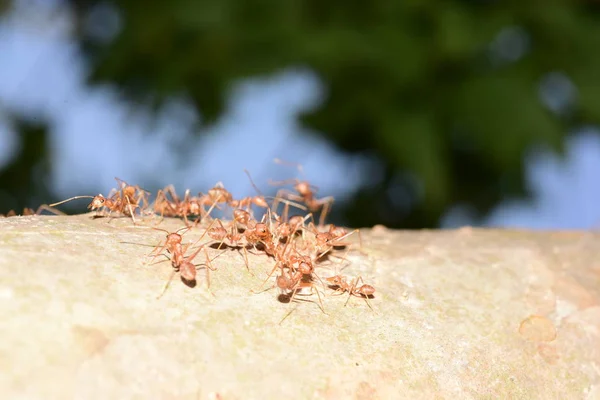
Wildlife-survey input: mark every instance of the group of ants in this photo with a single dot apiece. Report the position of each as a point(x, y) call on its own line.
point(296, 245)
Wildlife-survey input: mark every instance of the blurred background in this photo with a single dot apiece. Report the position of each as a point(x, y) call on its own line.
point(412, 114)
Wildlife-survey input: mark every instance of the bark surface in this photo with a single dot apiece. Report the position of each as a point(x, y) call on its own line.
point(459, 314)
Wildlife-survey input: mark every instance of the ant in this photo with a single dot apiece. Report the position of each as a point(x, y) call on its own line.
point(124, 201)
point(243, 207)
point(164, 206)
point(341, 284)
point(217, 194)
point(306, 194)
point(293, 282)
point(187, 269)
point(190, 205)
point(172, 243)
point(132, 196)
point(179, 262)
point(221, 234)
point(247, 202)
point(287, 230)
point(326, 241)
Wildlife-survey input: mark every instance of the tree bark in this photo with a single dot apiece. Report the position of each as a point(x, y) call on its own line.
point(466, 313)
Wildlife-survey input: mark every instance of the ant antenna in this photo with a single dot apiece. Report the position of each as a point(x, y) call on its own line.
point(72, 198)
point(166, 231)
point(289, 164)
point(252, 182)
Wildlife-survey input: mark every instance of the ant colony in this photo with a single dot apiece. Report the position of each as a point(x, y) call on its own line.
point(297, 246)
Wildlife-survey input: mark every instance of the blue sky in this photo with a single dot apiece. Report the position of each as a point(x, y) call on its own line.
point(96, 137)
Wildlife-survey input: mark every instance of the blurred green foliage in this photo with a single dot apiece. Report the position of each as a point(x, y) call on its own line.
point(446, 91)
point(23, 179)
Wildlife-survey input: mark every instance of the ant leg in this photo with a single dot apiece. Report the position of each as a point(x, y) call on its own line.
point(326, 202)
point(268, 277)
point(351, 290)
point(341, 258)
point(156, 254)
point(293, 309)
point(164, 255)
point(171, 190)
point(45, 207)
point(313, 274)
point(167, 285)
point(337, 242)
point(162, 218)
point(296, 289)
point(131, 210)
point(360, 243)
point(338, 292)
point(287, 314)
point(275, 204)
point(209, 267)
point(290, 181)
point(286, 211)
point(197, 221)
point(213, 205)
point(319, 296)
point(279, 197)
point(112, 192)
point(109, 215)
point(185, 220)
point(246, 261)
point(365, 297)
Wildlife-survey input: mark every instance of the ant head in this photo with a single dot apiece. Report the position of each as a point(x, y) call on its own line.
point(337, 231)
point(334, 280)
point(241, 216)
point(97, 202)
point(261, 229)
point(322, 237)
point(174, 238)
point(260, 201)
point(194, 207)
point(219, 195)
point(305, 268)
point(296, 220)
point(303, 188)
point(284, 229)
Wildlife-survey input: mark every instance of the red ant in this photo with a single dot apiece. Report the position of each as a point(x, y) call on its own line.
point(326, 241)
point(286, 230)
point(247, 202)
point(221, 234)
point(172, 243)
point(217, 194)
point(243, 207)
point(306, 194)
point(131, 197)
point(180, 263)
point(293, 282)
point(181, 208)
point(124, 201)
point(342, 285)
